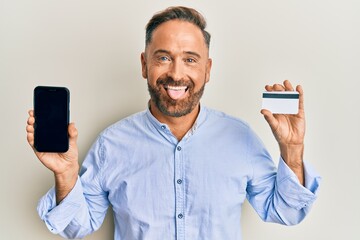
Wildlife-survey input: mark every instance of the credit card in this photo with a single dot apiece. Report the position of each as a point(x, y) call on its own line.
point(281, 102)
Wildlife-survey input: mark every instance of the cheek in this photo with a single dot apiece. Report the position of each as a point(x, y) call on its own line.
point(199, 77)
point(152, 76)
point(154, 72)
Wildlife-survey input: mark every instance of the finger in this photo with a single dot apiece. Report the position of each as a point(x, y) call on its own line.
point(278, 87)
point(299, 89)
point(31, 121)
point(268, 88)
point(288, 86)
point(31, 113)
point(30, 139)
point(275, 87)
point(30, 129)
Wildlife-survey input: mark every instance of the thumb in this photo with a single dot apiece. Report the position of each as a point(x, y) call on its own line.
point(73, 134)
point(269, 117)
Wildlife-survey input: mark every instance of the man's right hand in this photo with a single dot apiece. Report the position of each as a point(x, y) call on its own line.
point(65, 166)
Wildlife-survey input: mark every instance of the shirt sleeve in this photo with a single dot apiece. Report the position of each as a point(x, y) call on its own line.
point(83, 210)
point(298, 196)
point(276, 193)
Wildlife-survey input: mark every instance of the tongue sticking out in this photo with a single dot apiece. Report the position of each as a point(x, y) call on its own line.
point(176, 93)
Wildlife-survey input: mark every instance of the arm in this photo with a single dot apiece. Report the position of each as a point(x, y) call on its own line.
point(65, 166)
point(284, 195)
point(289, 131)
point(275, 193)
point(76, 206)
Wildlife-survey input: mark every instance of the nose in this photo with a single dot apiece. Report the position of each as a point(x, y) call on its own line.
point(176, 70)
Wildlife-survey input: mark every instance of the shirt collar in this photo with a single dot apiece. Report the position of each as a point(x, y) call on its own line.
point(162, 127)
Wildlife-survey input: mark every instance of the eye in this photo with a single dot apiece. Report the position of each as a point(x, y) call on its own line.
point(164, 58)
point(190, 60)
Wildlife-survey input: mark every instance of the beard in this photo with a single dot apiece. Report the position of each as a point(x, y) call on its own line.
point(171, 107)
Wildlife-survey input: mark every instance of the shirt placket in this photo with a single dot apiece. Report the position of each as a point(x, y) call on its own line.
point(179, 193)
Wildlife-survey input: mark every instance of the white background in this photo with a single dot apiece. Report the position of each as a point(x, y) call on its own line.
point(93, 47)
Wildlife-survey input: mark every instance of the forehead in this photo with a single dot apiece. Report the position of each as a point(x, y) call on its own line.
point(177, 34)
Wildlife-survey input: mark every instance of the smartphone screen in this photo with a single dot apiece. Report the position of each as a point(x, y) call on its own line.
point(51, 111)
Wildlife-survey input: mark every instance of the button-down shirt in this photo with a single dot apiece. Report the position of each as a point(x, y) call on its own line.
point(162, 188)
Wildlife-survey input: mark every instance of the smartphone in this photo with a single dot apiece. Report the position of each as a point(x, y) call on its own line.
point(51, 112)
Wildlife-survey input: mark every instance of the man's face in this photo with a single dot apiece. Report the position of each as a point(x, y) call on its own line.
point(176, 64)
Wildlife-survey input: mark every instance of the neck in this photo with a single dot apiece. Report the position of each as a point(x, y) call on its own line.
point(179, 126)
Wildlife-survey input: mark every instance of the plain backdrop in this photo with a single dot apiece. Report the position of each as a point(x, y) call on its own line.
point(93, 47)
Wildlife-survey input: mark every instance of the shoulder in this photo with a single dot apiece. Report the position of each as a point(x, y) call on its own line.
point(126, 126)
point(221, 118)
point(228, 129)
point(237, 129)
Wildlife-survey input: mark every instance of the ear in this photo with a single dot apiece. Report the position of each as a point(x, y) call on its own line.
point(143, 65)
point(208, 69)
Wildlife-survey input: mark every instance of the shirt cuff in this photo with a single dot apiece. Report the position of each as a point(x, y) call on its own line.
point(58, 217)
point(297, 195)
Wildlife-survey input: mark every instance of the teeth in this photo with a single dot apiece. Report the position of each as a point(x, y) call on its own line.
point(176, 88)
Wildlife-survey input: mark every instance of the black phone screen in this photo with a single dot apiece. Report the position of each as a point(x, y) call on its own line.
point(51, 112)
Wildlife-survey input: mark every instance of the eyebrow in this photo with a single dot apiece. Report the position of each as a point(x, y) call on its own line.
point(186, 52)
point(161, 51)
point(193, 53)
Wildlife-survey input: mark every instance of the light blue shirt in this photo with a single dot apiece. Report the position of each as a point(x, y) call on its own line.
point(162, 188)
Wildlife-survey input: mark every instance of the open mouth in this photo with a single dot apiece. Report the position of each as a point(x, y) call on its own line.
point(176, 92)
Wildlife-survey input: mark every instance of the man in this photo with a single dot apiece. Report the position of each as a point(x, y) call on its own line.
point(179, 170)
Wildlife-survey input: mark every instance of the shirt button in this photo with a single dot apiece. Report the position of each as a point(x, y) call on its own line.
point(163, 127)
point(178, 148)
point(180, 216)
point(179, 181)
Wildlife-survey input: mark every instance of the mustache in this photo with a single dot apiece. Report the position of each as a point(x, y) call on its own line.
point(172, 82)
